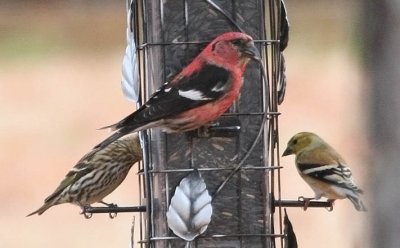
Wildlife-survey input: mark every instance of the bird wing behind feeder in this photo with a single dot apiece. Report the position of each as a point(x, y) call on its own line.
point(284, 40)
point(284, 28)
point(290, 236)
point(130, 74)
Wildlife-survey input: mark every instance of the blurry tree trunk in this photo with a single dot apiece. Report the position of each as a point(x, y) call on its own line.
point(382, 39)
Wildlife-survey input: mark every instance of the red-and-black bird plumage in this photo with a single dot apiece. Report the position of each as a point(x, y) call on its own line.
point(200, 93)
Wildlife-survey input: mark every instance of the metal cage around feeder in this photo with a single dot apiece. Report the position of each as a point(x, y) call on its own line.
point(168, 35)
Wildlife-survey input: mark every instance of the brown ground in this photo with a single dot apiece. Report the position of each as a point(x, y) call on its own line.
point(59, 81)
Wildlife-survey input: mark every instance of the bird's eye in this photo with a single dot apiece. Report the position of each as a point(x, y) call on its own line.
point(294, 142)
point(237, 42)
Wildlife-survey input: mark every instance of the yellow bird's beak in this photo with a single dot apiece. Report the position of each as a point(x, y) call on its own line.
point(288, 151)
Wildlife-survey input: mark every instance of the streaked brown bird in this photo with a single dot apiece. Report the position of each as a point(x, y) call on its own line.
point(96, 175)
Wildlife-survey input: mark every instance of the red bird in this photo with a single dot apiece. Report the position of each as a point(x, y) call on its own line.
point(200, 93)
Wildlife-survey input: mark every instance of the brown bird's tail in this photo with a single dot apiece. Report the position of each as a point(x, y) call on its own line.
point(358, 204)
point(41, 210)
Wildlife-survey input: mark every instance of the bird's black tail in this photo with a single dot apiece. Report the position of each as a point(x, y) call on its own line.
point(118, 134)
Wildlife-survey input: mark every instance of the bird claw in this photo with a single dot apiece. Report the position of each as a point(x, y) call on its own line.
point(86, 214)
point(306, 201)
point(89, 215)
point(203, 132)
point(112, 215)
point(330, 208)
point(110, 205)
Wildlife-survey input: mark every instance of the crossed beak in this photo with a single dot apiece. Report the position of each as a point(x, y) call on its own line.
point(250, 49)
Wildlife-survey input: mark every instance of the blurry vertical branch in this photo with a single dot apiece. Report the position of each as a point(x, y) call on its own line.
point(381, 24)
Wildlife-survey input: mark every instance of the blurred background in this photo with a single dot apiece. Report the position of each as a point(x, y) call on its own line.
point(60, 71)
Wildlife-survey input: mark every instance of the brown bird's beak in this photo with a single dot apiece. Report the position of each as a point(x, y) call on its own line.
point(288, 151)
point(250, 49)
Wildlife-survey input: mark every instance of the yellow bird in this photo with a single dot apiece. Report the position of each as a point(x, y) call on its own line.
point(323, 169)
